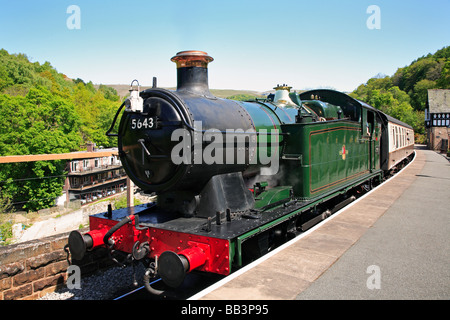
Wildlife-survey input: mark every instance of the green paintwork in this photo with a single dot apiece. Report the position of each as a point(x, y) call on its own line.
point(285, 114)
point(320, 156)
point(323, 109)
point(323, 160)
point(276, 195)
point(295, 98)
point(264, 121)
point(331, 155)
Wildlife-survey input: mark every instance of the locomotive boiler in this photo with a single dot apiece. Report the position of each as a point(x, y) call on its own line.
point(233, 179)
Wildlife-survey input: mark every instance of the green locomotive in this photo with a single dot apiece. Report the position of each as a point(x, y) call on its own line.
point(234, 179)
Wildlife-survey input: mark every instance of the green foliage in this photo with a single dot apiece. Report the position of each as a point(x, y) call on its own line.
point(42, 111)
point(404, 95)
point(5, 202)
point(428, 72)
point(121, 202)
point(96, 110)
point(109, 93)
point(5, 232)
point(93, 108)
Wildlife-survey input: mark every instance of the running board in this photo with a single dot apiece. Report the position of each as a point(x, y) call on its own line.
point(312, 222)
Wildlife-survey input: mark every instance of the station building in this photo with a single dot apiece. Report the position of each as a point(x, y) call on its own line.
point(437, 119)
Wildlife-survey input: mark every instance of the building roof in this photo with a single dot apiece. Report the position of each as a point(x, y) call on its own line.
point(439, 100)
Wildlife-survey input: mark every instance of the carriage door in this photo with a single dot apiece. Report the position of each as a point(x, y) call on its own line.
point(372, 139)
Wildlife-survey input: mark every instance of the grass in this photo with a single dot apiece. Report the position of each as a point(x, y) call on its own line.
point(121, 202)
point(6, 224)
point(6, 232)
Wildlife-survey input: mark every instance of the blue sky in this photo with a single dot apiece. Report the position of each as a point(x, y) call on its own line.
point(255, 44)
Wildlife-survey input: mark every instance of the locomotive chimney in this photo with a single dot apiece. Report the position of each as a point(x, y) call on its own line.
point(192, 71)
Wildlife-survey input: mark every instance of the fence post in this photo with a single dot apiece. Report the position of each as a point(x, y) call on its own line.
point(130, 193)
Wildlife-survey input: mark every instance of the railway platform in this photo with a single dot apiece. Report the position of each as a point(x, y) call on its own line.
point(392, 243)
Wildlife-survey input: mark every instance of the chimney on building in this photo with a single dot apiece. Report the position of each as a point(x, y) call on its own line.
point(90, 147)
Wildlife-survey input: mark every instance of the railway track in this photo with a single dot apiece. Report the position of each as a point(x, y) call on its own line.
point(194, 283)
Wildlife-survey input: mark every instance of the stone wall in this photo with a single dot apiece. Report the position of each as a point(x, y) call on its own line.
point(30, 270)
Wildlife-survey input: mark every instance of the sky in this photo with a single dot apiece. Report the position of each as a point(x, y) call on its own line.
point(255, 44)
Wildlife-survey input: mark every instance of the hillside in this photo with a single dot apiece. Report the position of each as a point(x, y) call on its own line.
point(42, 111)
point(404, 94)
point(123, 91)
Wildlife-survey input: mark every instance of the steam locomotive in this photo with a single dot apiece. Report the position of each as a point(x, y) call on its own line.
point(234, 179)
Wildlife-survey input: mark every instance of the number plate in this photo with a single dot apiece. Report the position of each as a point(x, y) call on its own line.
point(144, 123)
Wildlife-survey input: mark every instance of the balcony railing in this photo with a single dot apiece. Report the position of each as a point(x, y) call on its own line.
point(96, 183)
point(84, 170)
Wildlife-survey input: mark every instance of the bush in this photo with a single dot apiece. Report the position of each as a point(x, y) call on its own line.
point(121, 202)
point(5, 232)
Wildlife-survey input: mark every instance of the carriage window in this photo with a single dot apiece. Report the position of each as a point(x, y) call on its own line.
point(393, 136)
point(402, 137)
point(396, 137)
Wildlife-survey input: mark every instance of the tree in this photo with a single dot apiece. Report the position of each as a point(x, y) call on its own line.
point(444, 79)
point(404, 95)
point(5, 202)
point(420, 93)
point(38, 123)
point(42, 111)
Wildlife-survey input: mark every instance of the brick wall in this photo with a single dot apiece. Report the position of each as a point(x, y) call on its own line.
point(30, 270)
point(435, 136)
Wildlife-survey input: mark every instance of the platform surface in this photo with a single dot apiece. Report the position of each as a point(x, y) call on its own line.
point(391, 244)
